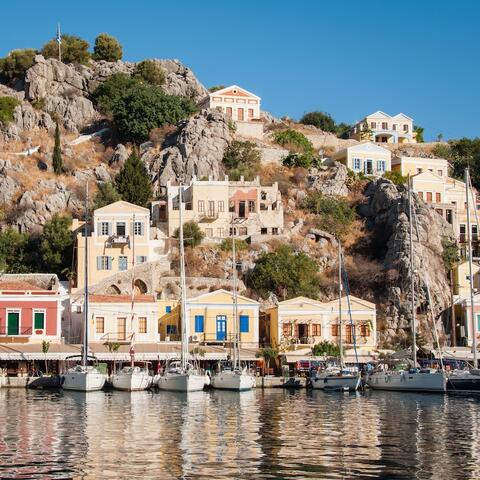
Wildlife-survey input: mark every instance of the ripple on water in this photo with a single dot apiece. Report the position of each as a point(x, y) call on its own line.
point(268, 434)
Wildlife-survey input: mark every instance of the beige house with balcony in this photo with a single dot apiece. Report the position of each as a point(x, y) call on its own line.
point(304, 321)
point(120, 236)
point(240, 106)
point(385, 128)
point(223, 207)
point(367, 158)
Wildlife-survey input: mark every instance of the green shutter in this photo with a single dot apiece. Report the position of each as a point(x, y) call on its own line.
point(39, 321)
point(13, 327)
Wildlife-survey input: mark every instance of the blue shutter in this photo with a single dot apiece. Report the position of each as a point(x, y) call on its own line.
point(109, 263)
point(243, 323)
point(99, 263)
point(168, 309)
point(199, 324)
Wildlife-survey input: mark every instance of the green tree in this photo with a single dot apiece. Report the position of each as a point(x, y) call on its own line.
point(74, 49)
point(56, 245)
point(343, 130)
point(302, 153)
point(133, 183)
point(419, 133)
point(57, 160)
point(334, 214)
point(106, 195)
point(7, 108)
point(366, 132)
point(16, 63)
point(138, 107)
point(45, 349)
point(242, 159)
point(450, 254)
point(192, 235)
point(321, 120)
point(465, 152)
point(286, 273)
point(268, 354)
point(150, 71)
point(15, 252)
point(326, 348)
point(442, 151)
point(107, 48)
point(216, 88)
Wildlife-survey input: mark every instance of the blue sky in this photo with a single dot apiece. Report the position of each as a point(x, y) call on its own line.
point(348, 58)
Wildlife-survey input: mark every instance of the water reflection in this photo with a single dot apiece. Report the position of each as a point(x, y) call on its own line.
point(258, 434)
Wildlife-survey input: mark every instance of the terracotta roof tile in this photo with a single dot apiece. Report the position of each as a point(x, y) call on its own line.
point(19, 285)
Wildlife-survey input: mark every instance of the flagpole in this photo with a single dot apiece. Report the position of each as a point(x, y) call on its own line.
point(59, 41)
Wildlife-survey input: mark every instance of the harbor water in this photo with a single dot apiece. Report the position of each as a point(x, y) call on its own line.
point(261, 434)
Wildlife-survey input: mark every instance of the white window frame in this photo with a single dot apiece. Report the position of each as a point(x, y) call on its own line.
point(355, 168)
point(116, 228)
point(383, 164)
point(108, 229)
point(139, 259)
point(120, 263)
point(104, 262)
point(140, 231)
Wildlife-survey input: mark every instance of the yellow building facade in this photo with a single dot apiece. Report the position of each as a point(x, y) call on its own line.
point(211, 319)
point(120, 236)
point(366, 158)
point(304, 321)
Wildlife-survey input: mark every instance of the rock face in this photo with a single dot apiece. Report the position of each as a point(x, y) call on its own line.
point(197, 148)
point(387, 213)
point(330, 180)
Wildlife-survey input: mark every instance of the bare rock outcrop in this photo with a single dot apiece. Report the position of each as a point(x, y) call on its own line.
point(197, 148)
point(329, 179)
point(387, 213)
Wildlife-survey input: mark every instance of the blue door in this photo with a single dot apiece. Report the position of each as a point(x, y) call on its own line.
point(221, 327)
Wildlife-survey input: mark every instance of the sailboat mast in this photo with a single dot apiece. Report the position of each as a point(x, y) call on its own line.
point(133, 290)
point(340, 291)
point(236, 349)
point(412, 275)
point(185, 329)
point(470, 272)
point(85, 307)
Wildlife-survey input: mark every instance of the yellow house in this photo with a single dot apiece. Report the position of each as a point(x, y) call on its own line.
point(461, 276)
point(120, 236)
point(385, 128)
point(366, 158)
point(305, 321)
point(415, 165)
point(211, 319)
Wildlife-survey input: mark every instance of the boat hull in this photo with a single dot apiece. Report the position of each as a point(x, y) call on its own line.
point(409, 382)
point(83, 381)
point(233, 381)
point(463, 383)
point(182, 382)
point(131, 382)
point(336, 382)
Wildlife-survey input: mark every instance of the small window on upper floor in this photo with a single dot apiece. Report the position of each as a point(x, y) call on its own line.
point(440, 173)
point(263, 195)
point(138, 228)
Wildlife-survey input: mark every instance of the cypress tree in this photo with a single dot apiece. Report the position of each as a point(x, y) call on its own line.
point(57, 160)
point(133, 182)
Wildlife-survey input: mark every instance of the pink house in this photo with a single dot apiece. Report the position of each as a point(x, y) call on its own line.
point(31, 307)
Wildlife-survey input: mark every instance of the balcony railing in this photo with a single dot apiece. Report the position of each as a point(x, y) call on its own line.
point(115, 240)
point(463, 238)
point(117, 337)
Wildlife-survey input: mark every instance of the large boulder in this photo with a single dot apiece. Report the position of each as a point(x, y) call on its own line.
point(387, 213)
point(196, 149)
point(329, 180)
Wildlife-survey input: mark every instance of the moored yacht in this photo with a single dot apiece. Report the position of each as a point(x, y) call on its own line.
point(83, 377)
point(336, 378)
point(132, 378)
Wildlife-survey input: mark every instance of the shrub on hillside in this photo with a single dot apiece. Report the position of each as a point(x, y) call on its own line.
point(321, 120)
point(286, 273)
point(192, 235)
point(227, 244)
point(107, 48)
point(293, 141)
point(106, 195)
point(56, 244)
point(74, 49)
point(334, 214)
point(138, 107)
point(16, 63)
point(7, 108)
point(216, 88)
point(396, 177)
point(242, 159)
point(299, 160)
point(442, 150)
point(465, 152)
point(150, 71)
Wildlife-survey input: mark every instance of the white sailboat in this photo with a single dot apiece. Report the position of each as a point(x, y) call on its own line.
point(182, 376)
point(338, 377)
point(468, 381)
point(132, 378)
point(413, 379)
point(83, 377)
point(234, 377)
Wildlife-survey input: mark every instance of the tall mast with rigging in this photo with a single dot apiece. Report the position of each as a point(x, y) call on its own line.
point(412, 276)
point(183, 291)
point(340, 291)
point(470, 272)
point(236, 329)
point(85, 306)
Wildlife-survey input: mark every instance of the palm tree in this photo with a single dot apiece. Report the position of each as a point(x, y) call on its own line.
point(268, 354)
point(45, 349)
